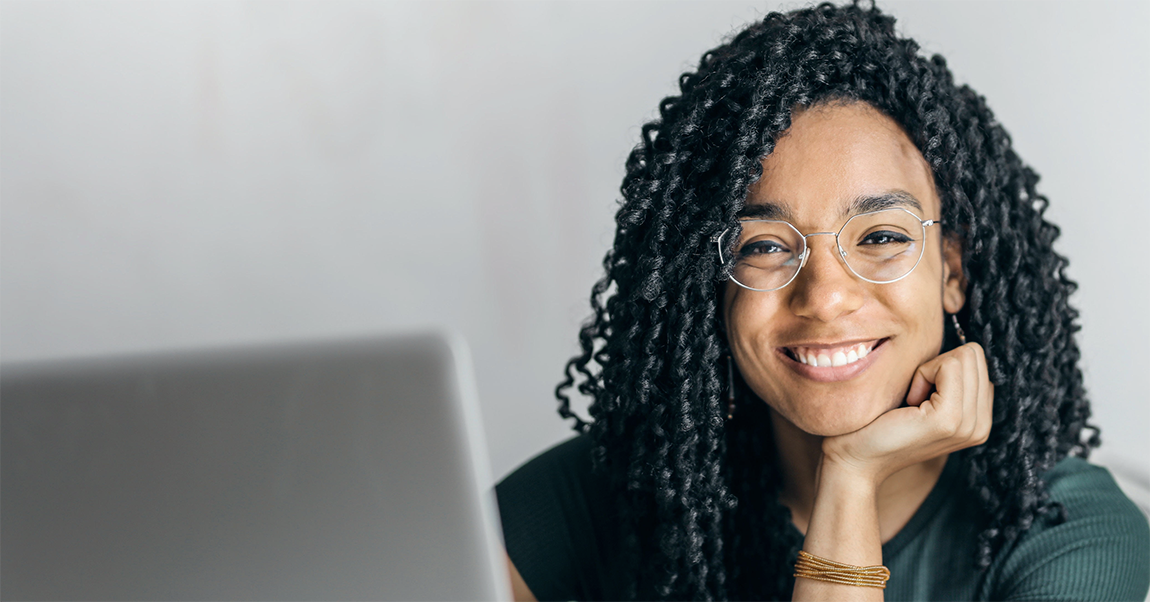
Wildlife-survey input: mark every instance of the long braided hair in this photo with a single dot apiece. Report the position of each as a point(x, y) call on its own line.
point(698, 494)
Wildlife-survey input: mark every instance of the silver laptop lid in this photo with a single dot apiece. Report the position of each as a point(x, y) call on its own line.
point(340, 471)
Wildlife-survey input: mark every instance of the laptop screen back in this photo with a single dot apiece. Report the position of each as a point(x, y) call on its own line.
point(321, 472)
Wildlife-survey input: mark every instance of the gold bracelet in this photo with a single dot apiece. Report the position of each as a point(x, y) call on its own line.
point(810, 566)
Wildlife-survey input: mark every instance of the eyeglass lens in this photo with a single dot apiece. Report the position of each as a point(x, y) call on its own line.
point(882, 246)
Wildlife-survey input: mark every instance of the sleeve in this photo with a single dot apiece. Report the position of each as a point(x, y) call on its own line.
point(1101, 552)
point(552, 511)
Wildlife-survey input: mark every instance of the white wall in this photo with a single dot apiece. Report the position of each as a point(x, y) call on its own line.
point(178, 174)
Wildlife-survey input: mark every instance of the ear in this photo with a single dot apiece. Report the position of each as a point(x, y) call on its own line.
point(953, 280)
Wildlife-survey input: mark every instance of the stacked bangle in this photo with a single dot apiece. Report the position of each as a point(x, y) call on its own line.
point(810, 566)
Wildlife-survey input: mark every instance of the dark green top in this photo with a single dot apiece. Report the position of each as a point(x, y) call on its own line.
point(562, 534)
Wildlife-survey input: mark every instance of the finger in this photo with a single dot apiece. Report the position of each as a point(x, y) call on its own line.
point(971, 388)
point(949, 400)
point(920, 388)
point(978, 397)
point(976, 367)
point(923, 382)
point(985, 397)
point(942, 412)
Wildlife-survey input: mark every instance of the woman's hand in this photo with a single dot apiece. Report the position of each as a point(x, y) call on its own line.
point(844, 524)
point(958, 414)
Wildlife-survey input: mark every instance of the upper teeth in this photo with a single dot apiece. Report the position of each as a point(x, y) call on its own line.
point(840, 356)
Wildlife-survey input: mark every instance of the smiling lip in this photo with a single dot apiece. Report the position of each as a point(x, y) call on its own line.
point(833, 373)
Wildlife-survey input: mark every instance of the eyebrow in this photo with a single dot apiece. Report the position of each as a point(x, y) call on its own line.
point(886, 200)
point(765, 210)
point(860, 204)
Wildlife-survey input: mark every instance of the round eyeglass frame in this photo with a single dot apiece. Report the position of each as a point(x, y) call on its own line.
point(806, 252)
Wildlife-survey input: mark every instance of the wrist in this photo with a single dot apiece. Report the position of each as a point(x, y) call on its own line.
point(844, 518)
point(838, 474)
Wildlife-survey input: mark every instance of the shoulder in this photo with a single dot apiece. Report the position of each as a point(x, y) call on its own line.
point(1084, 488)
point(558, 520)
point(1095, 507)
point(554, 479)
point(1100, 552)
point(572, 457)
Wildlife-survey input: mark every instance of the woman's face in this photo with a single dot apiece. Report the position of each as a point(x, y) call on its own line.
point(834, 155)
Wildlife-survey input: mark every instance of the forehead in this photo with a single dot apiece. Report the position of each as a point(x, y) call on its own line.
point(841, 159)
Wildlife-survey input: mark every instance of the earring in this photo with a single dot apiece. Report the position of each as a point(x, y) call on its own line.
point(958, 329)
point(730, 388)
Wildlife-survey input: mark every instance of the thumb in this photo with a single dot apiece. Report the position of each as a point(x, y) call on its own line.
point(923, 383)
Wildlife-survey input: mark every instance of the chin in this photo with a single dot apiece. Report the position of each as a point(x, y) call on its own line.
point(842, 418)
point(832, 429)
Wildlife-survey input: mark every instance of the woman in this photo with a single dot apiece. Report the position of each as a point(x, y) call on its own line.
point(833, 323)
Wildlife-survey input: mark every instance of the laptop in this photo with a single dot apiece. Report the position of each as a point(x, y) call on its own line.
point(352, 470)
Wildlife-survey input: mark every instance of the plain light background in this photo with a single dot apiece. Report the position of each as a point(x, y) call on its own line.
point(180, 174)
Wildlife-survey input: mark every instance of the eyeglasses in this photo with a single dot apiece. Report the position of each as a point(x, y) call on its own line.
point(879, 247)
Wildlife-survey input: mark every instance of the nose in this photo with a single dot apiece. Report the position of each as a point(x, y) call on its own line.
point(824, 288)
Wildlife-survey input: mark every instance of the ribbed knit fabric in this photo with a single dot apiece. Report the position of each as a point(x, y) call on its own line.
point(562, 534)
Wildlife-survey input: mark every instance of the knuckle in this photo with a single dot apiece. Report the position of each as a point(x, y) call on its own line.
point(946, 429)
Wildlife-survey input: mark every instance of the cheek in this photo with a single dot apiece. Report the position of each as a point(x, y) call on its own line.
point(735, 310)
point(729, 295)
point(747, 314)
point(740, 318)
point(752, 319)
point(918, 307)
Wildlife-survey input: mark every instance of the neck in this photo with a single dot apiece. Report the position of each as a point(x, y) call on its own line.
point(799, 454)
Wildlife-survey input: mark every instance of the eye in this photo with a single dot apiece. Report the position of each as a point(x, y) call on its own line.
point(885, 237)
point(763, 247)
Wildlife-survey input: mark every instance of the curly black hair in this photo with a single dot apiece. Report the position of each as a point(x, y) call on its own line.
point(699, 493)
